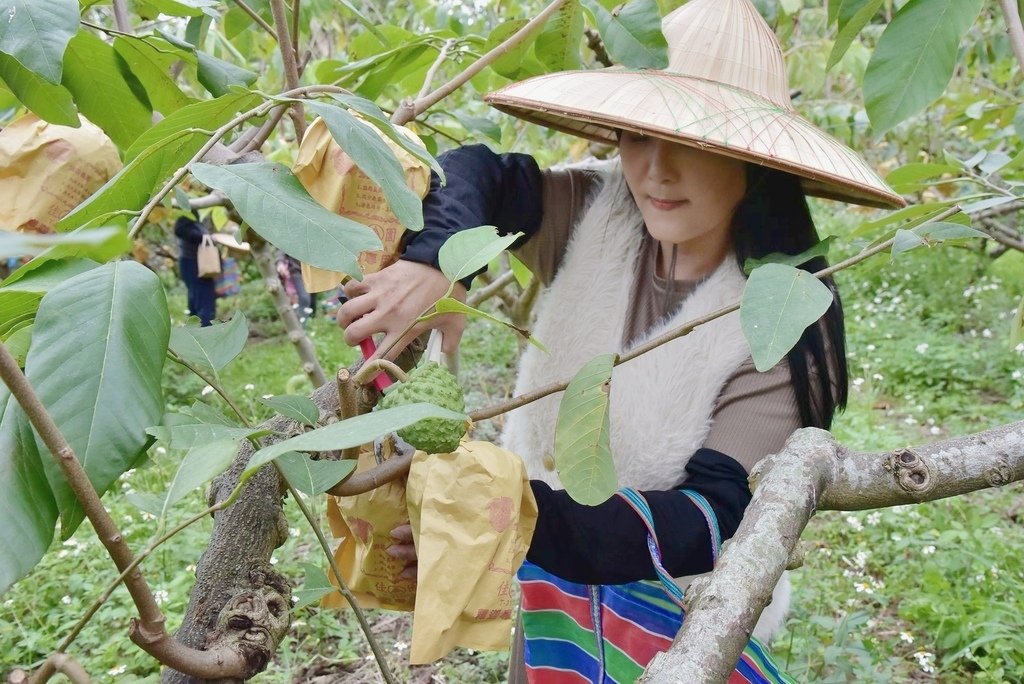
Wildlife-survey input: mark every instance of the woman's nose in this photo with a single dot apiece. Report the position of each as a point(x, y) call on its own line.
point(664, 161)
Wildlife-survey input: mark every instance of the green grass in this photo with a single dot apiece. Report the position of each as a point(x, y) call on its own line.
point(923, 593)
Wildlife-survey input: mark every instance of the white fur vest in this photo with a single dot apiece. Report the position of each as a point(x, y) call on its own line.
point(661, 402)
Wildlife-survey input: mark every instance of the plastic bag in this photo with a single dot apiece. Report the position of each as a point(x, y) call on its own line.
point(229, 279)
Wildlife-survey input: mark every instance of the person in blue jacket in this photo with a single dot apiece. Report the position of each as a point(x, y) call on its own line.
point(202, 293)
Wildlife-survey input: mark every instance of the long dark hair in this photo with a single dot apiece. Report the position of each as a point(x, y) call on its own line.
point(773, 217)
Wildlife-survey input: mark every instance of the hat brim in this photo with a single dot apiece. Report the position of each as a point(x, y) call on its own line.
point(595, 104)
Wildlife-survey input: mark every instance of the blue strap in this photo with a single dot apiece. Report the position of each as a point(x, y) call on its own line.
point(639, 504)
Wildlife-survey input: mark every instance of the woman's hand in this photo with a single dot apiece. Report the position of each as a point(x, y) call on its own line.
point(404, 549)
point(389, 300)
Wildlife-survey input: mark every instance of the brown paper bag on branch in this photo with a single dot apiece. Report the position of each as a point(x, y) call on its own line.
point(473, 515)
point(46, 170)
point(332, 179)
point(365, 522)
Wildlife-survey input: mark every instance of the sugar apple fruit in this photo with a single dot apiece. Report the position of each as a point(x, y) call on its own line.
point(433, 384)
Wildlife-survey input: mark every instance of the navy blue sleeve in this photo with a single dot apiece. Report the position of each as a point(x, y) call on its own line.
point(607, 544)
point(483, 188)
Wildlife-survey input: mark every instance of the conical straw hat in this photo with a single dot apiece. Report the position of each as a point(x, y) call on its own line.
point(725, 90)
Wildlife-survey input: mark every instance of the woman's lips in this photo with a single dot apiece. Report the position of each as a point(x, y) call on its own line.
point(666, 205)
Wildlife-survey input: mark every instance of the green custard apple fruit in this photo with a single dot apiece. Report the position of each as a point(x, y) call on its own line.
point(433, 384)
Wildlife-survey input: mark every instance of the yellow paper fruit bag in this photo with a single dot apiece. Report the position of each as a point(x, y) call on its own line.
point(332, 179)
point(365, 521)
point(46, 170)
point(473, 515)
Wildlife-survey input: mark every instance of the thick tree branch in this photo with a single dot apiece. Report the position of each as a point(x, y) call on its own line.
point(813, 472)
point(289, 60)
point(121, 19)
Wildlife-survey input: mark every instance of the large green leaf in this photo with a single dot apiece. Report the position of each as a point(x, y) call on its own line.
point(27, 507)
point(865, 9)
point(213, 347)
point(155, 155)
point(218, 76)
point(49, 102)
point(914, 59)
point(509, 63)
point(818, 249)
point(36, 33)
point(558, 44)
point(779, 302)
point(96, 360)
point(351, 432)
point(272, 200)
point(469, 251)
point(583, 453)
point(374, 157)
point(372, 113)
point(150, 60)
point(92, 74)
point(22, 291)
point(105, 240)
point(312, 476)
point(633, 34)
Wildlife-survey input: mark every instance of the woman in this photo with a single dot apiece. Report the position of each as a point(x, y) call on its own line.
point(712, 169)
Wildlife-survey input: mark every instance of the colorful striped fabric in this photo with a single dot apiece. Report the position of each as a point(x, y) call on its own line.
point(579, 634)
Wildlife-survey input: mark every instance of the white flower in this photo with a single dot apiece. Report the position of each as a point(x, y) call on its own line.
point(857, 382)
point(401, 646)
point(160, 596)
point(934, 430)
point(926, 661)
point(861, 559)
point(114, 671)
point(854, 522)
point(1016, 375)
point(249, 387)
point(928, 550)
point(294, 531)
point(921, 348)
point(1019, 348)
point(66, 600)
point(896, 537)
point(871, 347)
point(207, 390)
point(906, 637)
point(878, 377)
point(160, 451)
point(986, 333)
point(874, 518)
point(863, 588)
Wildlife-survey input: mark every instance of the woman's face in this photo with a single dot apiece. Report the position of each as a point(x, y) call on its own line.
point(687, 196)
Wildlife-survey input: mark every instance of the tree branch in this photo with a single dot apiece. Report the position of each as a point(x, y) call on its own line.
point(121, 17)
point(813, 472)
point(289, 60)
point(409, 110)
point(1011, 15)
point(148, 632)
point(257, 18)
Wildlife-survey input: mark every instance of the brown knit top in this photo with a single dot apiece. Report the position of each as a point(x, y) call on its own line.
point(756, 412)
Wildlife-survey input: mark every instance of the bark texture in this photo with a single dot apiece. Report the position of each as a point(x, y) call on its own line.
point(812, 473)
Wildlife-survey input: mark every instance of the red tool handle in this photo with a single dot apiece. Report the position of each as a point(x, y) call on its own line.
point(383, 380)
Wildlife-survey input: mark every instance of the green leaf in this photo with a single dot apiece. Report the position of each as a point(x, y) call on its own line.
point(374, 158)
point(521, 271)
point(49, 102)
point(904, 241)
point(19, 340)
point(37, 33)
point(201, 464)
point(478, 124)
point(271, 199)
point(583, 454)
point(819, 249)
point(943, 231)
point(914, 215)
point(179, 8)
point(449, 305)
point(27, 507)
point(469, 251)
point(558, 44)
point(92, 75)
point(155, 155)
point(313, 476)
point(213, 347)
point(779, 302)
point(374, 115)
point(184, 432)
point(218, 76)
point(632, 35)
point(351, 432)
point(41, 274)
point(314, 587)
point(151, 66)
point(96, 362)
point(147, 502)
point(865, 11)
point(907, 177)
point(509, 63)
point(297, 407)
point(108, 240)
point(914, 59)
